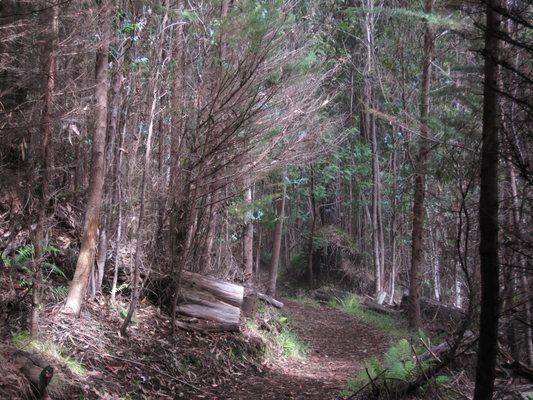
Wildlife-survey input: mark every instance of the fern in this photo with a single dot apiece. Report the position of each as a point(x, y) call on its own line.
point(24, 255)
point(398, 365)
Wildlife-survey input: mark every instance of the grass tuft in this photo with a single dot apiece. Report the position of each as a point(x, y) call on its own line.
point(23, 341)
point(387, 324)
point(291, 345)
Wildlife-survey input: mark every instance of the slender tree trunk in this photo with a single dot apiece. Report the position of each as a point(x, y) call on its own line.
point(278, 232)
point(85, 262)
point(101, 259)
point(312, 211)
point(488, 214)
point(42, 165)
point(258, 251)
point(144, 182)
point(523, 271)
point(417, 246)
point(248, 237)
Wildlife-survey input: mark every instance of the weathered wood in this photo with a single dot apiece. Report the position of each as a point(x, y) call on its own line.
point(372, 305)
point(227, 292)
point(269, 300)
point(217, 312)
point(435, 310)
point(437, 350)
point(327, 294)
point(208, 328)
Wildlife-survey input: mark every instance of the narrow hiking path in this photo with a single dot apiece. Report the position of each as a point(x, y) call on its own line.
point(338, 346)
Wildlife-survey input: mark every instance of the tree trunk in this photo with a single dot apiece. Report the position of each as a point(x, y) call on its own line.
point(417, 253)
point(144, 183)
point(248, 237)
point(488, 214)
point(85, 261)
point(523, 272)
point(312, 211)
point(42, 166)
point(278, 232)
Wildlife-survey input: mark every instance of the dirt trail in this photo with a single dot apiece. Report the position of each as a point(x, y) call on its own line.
point(339, 344)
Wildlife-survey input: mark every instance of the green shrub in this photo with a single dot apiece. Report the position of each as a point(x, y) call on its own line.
point(398, 364)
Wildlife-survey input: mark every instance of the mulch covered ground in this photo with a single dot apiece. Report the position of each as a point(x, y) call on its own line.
point(152, 364)
point(339, 345)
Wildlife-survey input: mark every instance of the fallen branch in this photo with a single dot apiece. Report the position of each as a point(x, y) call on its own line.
point(269, 300)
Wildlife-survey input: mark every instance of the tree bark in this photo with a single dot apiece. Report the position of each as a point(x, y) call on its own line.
point(488, 213)
point(417, 253)
point(278, 232)
point(42, 165)
point(248, 237)
point(312, 210)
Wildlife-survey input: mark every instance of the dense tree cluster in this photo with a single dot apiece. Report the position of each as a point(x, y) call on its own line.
point(373, 145)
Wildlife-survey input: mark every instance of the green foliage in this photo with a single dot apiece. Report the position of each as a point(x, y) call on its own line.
point(398, 364)
point(304, 300)
point(385, 323)
point(291, 345)
point(280, 335)
point(121, 311)
point(405, 13)
point(24, 256)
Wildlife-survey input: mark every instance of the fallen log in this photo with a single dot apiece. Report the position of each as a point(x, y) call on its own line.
point(372, 305)
point(217, 312)
point(437, 350)
point(269, 300)
point(208, 328)
point(211, 299)
point(327, 294)
point(435, 310)
point(227, 292)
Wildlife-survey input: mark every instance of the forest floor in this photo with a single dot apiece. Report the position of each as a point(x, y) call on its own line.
point(338, 346)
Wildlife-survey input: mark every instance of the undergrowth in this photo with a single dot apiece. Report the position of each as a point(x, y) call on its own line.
point(23, 341)
point(398, 365)
point(275, 330)
point(387, 324)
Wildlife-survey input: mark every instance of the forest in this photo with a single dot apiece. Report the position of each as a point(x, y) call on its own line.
point(266, 199)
